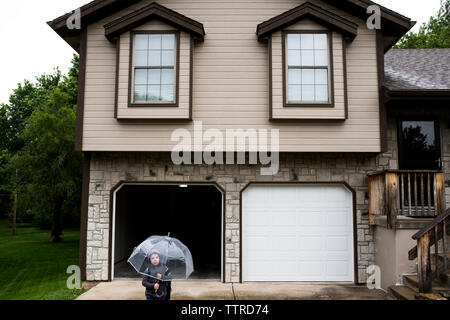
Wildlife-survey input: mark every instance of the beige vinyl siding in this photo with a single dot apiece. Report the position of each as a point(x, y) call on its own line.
point(278, 111)
point(230, 84)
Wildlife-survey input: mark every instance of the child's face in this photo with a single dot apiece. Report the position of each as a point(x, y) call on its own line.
point(154, 259)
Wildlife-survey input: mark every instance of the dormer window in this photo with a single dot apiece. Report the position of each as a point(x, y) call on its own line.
point(154, 63)
point(307, 63)
point(154, 68)
point(307, 68)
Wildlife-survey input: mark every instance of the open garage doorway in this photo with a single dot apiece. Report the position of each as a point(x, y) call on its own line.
point(192, 213)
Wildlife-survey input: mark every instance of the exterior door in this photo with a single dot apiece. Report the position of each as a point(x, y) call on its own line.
point(297, 233)
point(419, 145)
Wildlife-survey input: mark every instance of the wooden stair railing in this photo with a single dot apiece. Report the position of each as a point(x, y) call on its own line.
point(433, 235)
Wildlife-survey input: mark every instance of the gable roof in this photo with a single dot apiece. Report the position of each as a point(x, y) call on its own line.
point(394, 25)
point(417, 72)
point(154, 11)
point(389, 18)
point(313, 12)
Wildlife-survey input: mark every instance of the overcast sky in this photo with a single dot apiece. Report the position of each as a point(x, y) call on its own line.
point(30, 47)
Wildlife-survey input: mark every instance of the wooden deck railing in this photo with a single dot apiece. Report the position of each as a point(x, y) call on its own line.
point(432, 237)
point(405, 192)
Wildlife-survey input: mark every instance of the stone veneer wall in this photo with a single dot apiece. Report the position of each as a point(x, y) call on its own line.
point(108, 168)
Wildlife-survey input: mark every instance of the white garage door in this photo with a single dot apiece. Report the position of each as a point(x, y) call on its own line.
point(297, 233)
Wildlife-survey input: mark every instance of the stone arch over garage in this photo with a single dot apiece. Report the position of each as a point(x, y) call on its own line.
point(212, 196)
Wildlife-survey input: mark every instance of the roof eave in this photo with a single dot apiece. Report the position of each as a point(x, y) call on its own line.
point(359, 9)
point(71, 37)
point(153, 11)
point(394, 24)
point(310, 11)
point(416, 94)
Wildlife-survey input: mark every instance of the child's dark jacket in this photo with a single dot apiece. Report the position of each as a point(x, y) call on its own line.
point(163, 293)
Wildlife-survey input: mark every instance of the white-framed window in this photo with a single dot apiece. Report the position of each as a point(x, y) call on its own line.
point(308, 68)
point(154, 68)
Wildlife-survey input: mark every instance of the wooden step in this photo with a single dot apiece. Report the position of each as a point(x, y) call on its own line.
point(402, 292)
point(445, 295)
point(412, 281)
point(429, 296)
point(445, 278)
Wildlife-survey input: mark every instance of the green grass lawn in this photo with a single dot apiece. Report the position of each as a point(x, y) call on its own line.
point(32, 267)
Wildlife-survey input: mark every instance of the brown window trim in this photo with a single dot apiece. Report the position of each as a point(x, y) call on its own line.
point(81, 92)
point(131, 70)
point(284, 33)
point(382, 106)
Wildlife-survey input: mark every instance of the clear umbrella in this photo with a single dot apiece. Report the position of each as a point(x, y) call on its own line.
point(175, 259)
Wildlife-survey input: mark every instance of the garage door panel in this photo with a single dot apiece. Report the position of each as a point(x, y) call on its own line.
point(284, 243)
point(280, 195)
point(260, 217)
point(285, 219)
point(281, 258)
point(307, 231)
point(339, 219)
point(256, 243)
point(337, 268)
point(338, 255)
point(336, 194)
point(311, 231)
point(281, 271)
point(259, 196)
point(310, 243)
point(338, 243)
point(258, 231)
point(308, 195)
point(310, 269)
point(283, 231)
point(311, 256)
point(336, 231)
point(310, 218)
point(260, 268)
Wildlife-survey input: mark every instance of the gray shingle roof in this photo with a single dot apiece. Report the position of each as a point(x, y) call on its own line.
point(417, 69)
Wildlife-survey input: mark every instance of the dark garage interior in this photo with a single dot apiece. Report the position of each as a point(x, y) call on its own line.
point(191, 213)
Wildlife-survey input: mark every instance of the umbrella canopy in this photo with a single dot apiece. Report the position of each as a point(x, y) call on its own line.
point(175, 259)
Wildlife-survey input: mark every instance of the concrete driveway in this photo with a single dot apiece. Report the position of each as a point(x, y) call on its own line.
point(132, 289)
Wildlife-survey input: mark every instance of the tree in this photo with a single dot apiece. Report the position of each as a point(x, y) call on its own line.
point(27, 97)
point(5, 201)
point(433, 34)
point(38, 129)
point(49, 168)
point(21, 104)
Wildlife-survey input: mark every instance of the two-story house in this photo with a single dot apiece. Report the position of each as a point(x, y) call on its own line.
point(351, 132)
